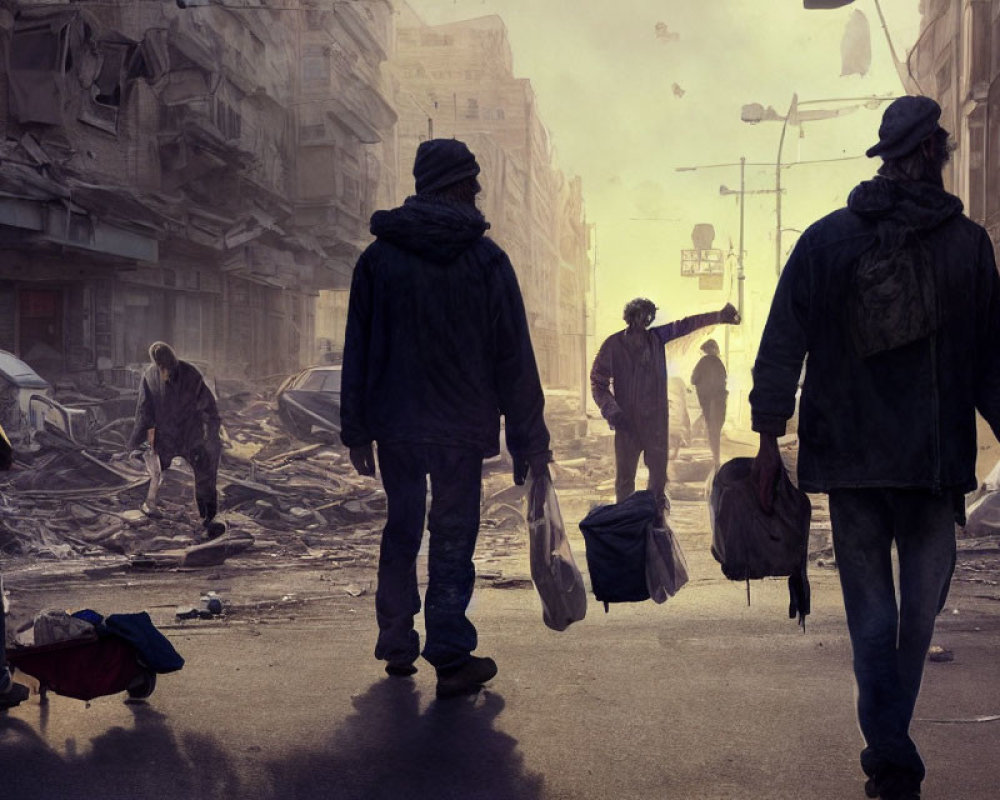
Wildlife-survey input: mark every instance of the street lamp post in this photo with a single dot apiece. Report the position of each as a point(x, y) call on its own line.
point(753, 113)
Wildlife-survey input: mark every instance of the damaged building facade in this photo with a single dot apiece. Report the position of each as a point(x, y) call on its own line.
point(196, 175)
point(458, 80)
point(205, 176)
point(956, 60)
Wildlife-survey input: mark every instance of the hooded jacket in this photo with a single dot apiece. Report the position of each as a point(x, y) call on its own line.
point(182, 410)
point(437, 344)
point(889, 416)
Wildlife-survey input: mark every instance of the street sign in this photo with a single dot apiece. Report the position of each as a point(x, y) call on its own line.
point(702, 262)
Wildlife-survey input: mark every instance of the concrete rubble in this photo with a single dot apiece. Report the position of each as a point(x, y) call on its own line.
point(289, 501)
point(283, 499)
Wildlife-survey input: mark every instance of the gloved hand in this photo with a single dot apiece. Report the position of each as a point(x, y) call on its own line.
point(617, 419)
point(766, 470)
point(730, 316)
point(363, 459)
point(537, 463)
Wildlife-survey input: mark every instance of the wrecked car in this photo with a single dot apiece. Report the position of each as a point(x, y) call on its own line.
point(309, 401)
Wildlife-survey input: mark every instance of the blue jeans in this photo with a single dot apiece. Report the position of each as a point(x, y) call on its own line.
point(890, 642)
point(453, 524)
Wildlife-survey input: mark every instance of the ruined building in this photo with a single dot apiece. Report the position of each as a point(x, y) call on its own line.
point(205, 175)
point(189, 174)
point(457, 80)
point(956, 60)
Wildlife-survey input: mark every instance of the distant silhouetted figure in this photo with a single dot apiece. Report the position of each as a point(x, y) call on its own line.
point(709, 381)
point(177, 416)
point(437, 349)
point(894, 304)
point(629, 383)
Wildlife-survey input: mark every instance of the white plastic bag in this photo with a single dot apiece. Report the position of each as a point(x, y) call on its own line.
point(666, 569)
point(553, 570)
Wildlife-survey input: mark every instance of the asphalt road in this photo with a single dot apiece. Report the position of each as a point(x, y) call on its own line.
point(700, 698)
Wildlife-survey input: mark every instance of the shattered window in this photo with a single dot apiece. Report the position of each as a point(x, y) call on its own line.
point(35, 49)
point(311, 382)
point(109, 79)
point(332, 382)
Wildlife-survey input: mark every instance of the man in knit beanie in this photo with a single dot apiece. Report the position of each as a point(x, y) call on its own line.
point(436, 350)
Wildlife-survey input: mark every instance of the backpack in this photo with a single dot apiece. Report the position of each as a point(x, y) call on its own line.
point(628, 558)
point(750, 544)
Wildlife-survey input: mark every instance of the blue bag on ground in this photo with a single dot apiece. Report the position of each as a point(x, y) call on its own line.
point(553, 570)
point(152, 646)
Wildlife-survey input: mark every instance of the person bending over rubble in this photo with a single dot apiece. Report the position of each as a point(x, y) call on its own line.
point(629, 383)
point(436, 349)
point(11, 694)
point(177, 416)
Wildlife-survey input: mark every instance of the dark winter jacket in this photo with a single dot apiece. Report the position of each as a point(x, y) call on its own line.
point(182, 410)
point(437, 343)
point(903, 416)
point(629, 375)
point(709, 378)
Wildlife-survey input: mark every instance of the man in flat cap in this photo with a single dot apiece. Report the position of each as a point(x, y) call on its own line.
point(895, 300)
point(436, 350)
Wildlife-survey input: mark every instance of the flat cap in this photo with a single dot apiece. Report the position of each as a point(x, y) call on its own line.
point(905, 124)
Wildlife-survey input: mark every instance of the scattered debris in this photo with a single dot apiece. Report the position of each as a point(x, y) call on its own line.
point(664, 34)
point(940, 655)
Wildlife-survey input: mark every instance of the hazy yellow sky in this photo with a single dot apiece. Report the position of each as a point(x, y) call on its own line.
point(604, 82)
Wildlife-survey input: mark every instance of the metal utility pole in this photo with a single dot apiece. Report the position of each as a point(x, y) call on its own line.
point(754, 113)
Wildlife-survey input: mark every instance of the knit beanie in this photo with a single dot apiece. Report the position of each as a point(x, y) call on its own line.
point(442, 162)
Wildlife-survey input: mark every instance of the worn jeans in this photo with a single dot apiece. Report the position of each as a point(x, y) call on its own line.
point(453, 525)
point(204, 461)
point(890, 641)
point(628, 445)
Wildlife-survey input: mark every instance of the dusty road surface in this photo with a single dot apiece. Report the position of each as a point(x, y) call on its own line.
point(702, 697)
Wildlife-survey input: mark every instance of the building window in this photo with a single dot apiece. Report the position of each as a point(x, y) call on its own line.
point(316, 66)
point(472, 108)
point(227, 120)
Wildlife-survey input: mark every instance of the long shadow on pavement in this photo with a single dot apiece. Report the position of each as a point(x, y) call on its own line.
point(387, 749)
point(146, 761)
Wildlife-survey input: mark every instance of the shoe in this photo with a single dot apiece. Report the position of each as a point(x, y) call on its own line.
point(16, 694)
point(893, 787)
point(151, 511)
point(467, 678)
point(213, 530)
point(400, 670)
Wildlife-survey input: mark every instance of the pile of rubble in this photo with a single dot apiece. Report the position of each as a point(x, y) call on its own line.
point(292, 500)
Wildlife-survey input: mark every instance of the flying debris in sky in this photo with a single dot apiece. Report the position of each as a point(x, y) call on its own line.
point(678, 91)
point(856, 46)
point(664, 34)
